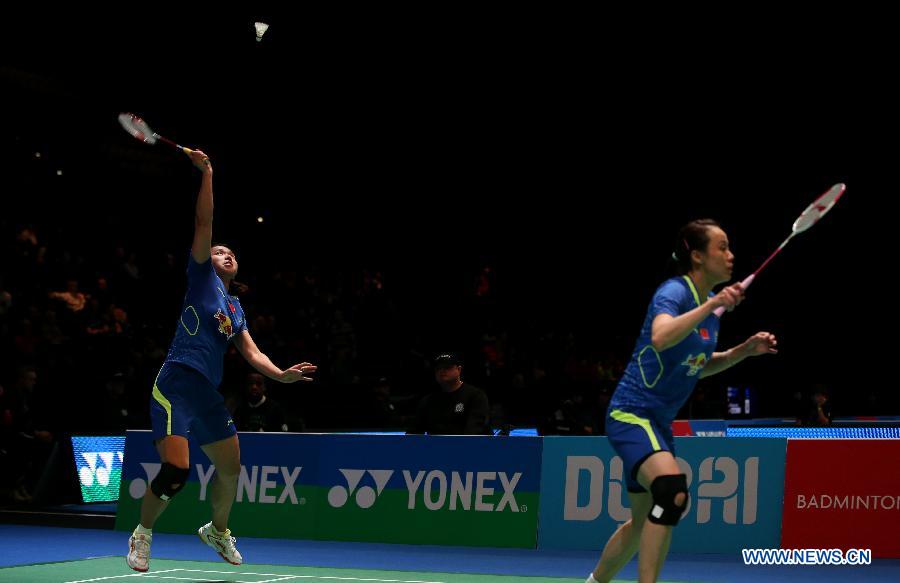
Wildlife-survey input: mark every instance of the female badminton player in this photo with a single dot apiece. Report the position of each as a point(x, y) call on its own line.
point(185, 396)
point(675, 349)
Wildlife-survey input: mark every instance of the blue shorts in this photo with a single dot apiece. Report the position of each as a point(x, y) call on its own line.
point(184, 401)
point(636, 435)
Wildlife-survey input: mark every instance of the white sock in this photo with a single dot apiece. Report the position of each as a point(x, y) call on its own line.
point(141, 530)
point(590, 579)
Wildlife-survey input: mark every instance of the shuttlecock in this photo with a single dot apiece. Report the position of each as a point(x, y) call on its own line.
point(261, 28)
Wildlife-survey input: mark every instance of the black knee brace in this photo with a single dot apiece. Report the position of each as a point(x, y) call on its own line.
point(664, 490)
point(169, 481)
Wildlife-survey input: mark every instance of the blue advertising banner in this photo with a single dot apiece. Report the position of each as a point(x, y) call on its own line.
point(736, 490)
point(461, 490)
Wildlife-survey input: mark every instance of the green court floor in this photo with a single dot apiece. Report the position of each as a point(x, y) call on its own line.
point(114, 569)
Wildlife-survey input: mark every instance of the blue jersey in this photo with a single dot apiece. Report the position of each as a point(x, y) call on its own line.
point(209, 319)
point(659, 383)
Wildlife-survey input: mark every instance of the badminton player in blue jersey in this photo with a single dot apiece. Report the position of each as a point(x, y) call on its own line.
point(185, 397)
point(676, 348)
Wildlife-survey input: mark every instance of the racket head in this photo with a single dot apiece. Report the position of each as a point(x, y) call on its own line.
point(137, 127)
point(819, 208)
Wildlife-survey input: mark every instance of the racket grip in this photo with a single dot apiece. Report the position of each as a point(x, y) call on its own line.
point(744, 285)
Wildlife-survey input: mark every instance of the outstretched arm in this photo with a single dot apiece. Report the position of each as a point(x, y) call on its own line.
point(265, 366)
point(758, 344)
point(204, 213)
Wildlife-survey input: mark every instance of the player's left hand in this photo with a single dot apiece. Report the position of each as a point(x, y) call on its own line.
point(298, 372)
point(761, 343)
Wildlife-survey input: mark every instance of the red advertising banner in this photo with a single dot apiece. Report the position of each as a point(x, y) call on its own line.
point(842, 493)
point(681, 428)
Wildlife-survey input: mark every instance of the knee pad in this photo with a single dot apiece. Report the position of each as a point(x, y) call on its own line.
point(169, 481)
point(664, 489)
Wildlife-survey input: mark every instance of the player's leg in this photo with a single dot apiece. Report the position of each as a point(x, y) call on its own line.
point(662, 477)
point(634, 438)
point(174, 454)
point(624, 543)
point(170, 418)
point(226, 456)
point(218, 437)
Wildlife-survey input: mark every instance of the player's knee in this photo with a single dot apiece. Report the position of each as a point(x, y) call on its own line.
point(169, 481)
point(670, 497)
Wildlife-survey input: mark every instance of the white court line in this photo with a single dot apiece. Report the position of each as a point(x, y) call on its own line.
point(332, 578)
point(232, 573)
point(102, 578)
point(186, 578)
point(328, 577)
point(285, 577)
point(280, 577)
point(120, 576)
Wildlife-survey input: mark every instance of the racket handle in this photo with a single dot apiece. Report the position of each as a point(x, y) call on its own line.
point(744, 285)
point(171, 143)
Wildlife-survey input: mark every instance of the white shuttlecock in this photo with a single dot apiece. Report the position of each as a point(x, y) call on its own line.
point(261, 28)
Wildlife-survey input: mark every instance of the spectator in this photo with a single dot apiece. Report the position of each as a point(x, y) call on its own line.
point(114, 415)
point(259, 412)
point(72, 297)
point(818, 410)
point(382, 413)
point(458, 409)
point(29, 440)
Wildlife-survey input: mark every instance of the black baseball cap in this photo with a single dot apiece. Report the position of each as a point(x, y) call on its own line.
point(447, 359)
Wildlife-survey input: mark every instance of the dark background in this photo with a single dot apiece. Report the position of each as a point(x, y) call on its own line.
point(562, 153)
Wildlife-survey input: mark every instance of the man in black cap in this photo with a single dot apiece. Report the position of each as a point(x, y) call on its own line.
point(458, 409)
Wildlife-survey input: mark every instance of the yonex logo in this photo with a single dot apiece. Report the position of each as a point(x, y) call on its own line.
point(365, 496)
point(138, 486)
point(459, 489)
point(257, 484)
point(94, 473)
point(438, 490)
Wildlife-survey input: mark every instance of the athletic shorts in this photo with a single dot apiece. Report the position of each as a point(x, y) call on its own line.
point(636, 435)
point(184, 402)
